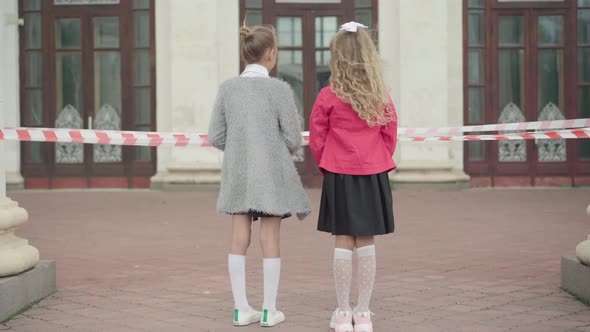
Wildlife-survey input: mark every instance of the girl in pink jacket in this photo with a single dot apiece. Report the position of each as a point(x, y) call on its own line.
point(353, 133)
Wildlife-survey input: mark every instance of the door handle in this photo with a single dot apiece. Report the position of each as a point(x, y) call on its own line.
point(90, 122)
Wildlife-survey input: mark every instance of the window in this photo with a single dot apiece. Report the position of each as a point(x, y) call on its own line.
point(143, 72)
point(33, 115)
point(584, 70)
point(476, 52)
point(253, 12)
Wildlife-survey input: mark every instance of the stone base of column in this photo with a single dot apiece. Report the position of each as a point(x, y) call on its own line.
point(14, 181)
point(187, 176)
point(16, 255)
point(20, 291)
point(429, 173)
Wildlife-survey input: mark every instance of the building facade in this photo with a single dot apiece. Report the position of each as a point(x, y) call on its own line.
point(156, 64)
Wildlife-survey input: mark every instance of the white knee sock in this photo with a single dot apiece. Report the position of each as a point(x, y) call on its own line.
point(343, 277)
point(366, 276)
point(272, 276)
point(237, 274)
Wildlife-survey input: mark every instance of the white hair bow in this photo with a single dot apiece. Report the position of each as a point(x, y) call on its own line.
point(352, 26)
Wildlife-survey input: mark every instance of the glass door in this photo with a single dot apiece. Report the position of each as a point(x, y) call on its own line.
point(88, 67)
point(290, 66)
point(303, 61)
point(88, 92)
point(513, 54)
point(552, 89)
point(530, 85)
point(70, 110)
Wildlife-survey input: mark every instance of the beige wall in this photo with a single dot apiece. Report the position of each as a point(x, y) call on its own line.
point(421, 44)
point(196, 50)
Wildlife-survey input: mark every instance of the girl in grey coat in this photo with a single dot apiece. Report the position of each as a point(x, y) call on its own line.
point(255, 122)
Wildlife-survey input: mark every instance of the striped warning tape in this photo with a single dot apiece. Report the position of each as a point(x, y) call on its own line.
point(113, 137)
point(138, 138)
point(520, 126)
point(579, 133)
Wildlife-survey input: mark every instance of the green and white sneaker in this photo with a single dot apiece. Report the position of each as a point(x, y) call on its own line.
point(243, 318)
point(271, 318)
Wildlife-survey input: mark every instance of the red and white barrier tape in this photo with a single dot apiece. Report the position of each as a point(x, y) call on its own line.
point(138, 138)
point(521, 126)
point(550, 134)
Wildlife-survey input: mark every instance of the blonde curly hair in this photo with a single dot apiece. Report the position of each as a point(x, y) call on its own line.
point(357, 76)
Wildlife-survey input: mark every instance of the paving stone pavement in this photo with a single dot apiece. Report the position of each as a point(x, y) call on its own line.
point(460, 260)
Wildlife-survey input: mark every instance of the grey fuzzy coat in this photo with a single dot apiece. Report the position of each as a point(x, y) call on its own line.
point(256, 123)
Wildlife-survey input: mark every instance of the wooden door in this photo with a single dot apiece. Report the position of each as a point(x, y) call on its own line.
point(532, 61)
point(94, 68)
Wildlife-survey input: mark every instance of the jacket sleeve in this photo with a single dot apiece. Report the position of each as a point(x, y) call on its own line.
point(319, 124)
point(289, 122)
point(389, 131)
point(217, 126)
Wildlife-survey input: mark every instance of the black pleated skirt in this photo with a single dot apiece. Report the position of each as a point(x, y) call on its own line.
point(356, 205)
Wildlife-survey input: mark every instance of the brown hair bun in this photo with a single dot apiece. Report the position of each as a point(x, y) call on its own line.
point(254, 41)
point(245, 33)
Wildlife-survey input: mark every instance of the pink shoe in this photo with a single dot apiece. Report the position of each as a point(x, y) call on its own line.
point(362, 322)
point(342, 321)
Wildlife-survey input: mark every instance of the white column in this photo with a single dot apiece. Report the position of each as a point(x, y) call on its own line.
point(16, 255)
point(10, 108)
point(421, 43)
point(197, 50)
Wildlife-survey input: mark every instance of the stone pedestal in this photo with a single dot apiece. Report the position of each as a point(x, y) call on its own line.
point(575, 278)
point(575, 271)
point(187, 176)
point(14, 181)
point(429, 173)
point(20, 291)
point(16, 255)
point(22, 280)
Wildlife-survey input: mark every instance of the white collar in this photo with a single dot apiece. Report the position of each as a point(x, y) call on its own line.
point(255, 70)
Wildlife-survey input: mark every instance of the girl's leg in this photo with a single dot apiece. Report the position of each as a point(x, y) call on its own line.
point(365, 249)
point(342, 318)
point(345, 242)
point(343, 270)
point(270, 230)
point(241, 230)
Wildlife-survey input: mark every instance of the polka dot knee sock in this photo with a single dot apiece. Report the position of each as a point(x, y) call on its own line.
point(366, 276)
point(343, 277)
